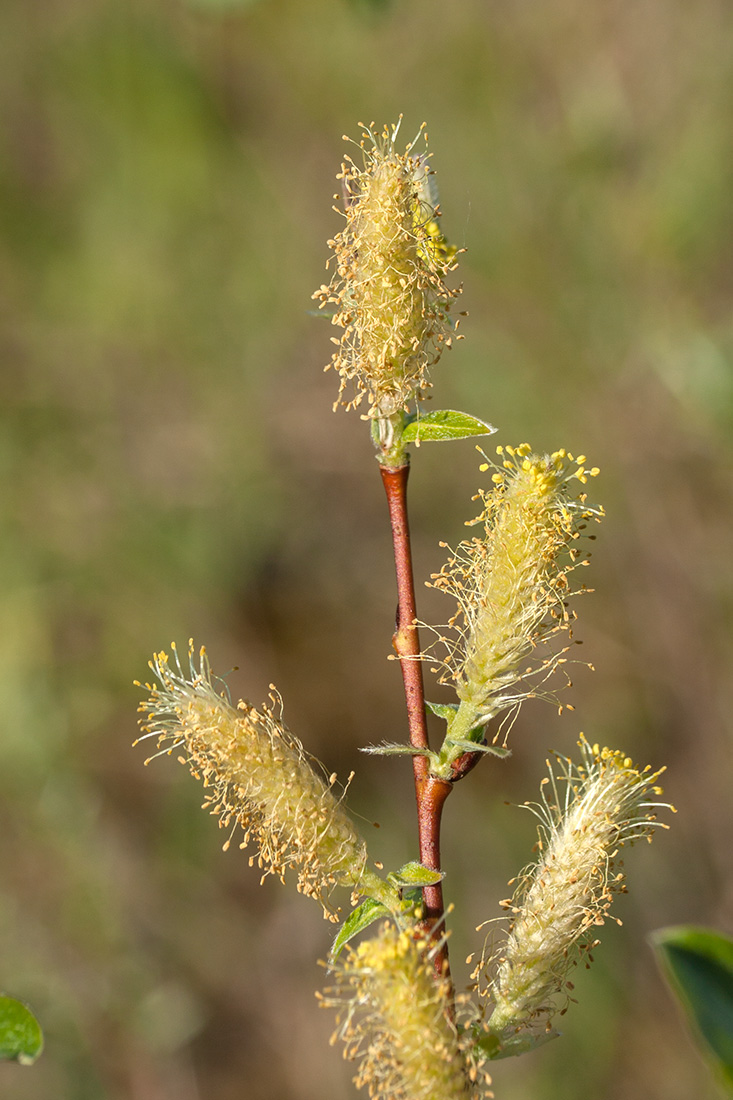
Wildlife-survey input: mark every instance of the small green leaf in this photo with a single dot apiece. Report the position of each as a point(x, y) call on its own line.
point(446, 711)
point(21, 1038)
point(412, 901)
point(444, 424)
point(414, 874)
point(698, 964)
point(387, 749)
point(364, 915)
point(474, 746)
point(495, 1046)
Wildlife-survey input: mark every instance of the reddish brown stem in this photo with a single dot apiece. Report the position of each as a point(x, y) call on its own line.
point(406, 639)
point(430, 793)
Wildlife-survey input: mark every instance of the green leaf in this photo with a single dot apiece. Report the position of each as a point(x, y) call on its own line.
point(414, 874)
point(698, 964)
point(495, 1046)
point(412, 901)
point(474, 746)
point(446, 711)
point(364, 915)
point(387, 749)
point(21, 1038)
point(444, 424)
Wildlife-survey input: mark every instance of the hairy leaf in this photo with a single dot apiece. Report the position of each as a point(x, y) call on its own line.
point(474, 746)
point(442, 424)
point(364, 915)
point(415, 874)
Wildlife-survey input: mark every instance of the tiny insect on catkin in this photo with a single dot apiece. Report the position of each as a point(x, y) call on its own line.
point(259, 776)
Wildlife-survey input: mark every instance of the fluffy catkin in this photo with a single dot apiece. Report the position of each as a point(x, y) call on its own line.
point(511, 582)
point(605, 804)
point(258, 775)
point(388, 290)
point(394, 1017)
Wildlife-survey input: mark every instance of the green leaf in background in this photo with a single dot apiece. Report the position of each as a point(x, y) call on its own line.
point(698, 964)
point(444, 424)
point(364, 915)
point(415, 874)
point(21, 1038)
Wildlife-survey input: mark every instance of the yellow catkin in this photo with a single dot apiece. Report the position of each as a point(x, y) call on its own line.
point(586, 814)
point(394, 1017)
point(258, 776)
point(388, 290)
point(511, 582)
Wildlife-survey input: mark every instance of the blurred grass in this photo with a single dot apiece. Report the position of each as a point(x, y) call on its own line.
point(170, 466)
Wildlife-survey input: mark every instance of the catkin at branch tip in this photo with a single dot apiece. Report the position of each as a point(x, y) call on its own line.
point(394, 1017)
point(388, 290)
point(257, 774)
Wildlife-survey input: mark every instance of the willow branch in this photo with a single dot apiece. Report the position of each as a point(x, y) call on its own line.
point(430, 793)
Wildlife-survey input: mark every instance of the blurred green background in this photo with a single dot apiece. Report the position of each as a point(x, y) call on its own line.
point(170, 466)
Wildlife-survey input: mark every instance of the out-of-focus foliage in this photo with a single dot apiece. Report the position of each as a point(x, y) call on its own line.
point(170, 465)
point(698, 964)
point(21, 1038)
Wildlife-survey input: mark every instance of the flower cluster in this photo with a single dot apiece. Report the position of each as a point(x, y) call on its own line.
point(397, 1012)
point(511, 582)
point(259, 777)
point(586, 814)
point(388, 290)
